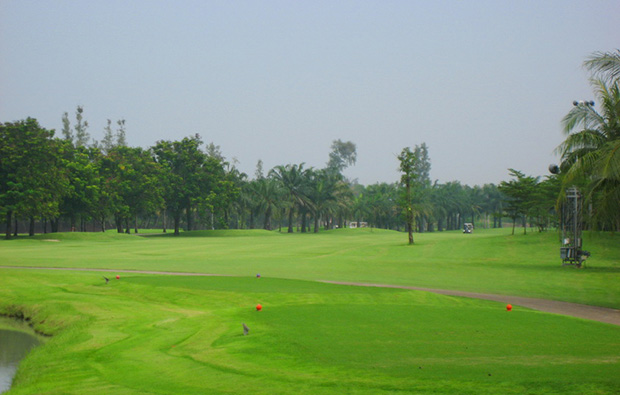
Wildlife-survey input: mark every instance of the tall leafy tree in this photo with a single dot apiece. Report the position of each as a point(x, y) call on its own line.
point(108, 137)
point(520, 195)
point(422, 186)
point(342, 155)
point(32, 179)
point(121, 134)
point(183, 176)
point(66, 128)
point(409, 178)
point(81, 128)
point(134, 174)
point(545, 196)
point(223, 185)
point(82, 197)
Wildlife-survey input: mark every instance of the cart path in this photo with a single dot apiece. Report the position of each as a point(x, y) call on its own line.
point(595, 313)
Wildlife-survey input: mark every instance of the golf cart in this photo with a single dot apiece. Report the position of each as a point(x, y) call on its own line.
point(468, 228)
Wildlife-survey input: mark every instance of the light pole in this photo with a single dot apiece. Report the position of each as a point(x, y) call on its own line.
point(588, 104)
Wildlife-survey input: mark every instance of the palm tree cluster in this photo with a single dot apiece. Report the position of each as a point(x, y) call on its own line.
point(308, 199)
point(303, 196)
point(591, 152)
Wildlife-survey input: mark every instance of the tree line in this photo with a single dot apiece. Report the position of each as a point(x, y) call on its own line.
point(53, 181)
point(75, 183)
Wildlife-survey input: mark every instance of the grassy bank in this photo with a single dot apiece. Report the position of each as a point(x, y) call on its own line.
point(169, 335)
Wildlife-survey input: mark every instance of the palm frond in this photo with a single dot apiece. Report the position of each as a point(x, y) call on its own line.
point(605, 65)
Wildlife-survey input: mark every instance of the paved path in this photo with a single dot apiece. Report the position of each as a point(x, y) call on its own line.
point(595, 313)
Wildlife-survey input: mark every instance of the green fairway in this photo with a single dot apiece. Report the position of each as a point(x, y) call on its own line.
point(490, 261)
point(183, 334)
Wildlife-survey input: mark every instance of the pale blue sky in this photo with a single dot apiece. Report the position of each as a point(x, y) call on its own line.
point(483, 83)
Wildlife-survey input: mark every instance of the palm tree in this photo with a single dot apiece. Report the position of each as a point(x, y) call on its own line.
point(591, 151)
point(493, 203)
point(293, 179)
point(322, 194)
point(268, 197)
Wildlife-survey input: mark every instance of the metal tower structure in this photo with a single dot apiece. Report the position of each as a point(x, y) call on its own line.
point(571, 251)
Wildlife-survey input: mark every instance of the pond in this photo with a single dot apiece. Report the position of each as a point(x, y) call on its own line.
point(14, 346)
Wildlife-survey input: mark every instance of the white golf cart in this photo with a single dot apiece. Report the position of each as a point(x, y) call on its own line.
point(468, 228)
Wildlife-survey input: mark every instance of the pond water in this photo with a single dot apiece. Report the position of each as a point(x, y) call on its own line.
point(14, 345)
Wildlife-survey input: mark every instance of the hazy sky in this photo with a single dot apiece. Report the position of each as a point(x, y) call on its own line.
point(484, 84)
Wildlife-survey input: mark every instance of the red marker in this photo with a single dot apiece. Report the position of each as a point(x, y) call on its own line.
point(259, 307)
point(118, 277)
point(509, 307)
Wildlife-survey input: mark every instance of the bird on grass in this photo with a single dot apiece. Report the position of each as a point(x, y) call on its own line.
point(246, 330)
point(107, 280)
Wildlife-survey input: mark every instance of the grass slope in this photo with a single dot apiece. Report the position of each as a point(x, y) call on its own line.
point(183, 335)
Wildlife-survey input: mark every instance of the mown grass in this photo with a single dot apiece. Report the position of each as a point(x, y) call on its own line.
point(182, 334)
point(167, 335)
point(490, 261)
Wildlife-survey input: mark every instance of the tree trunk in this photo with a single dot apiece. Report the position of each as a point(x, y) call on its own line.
point(267, 223)
point(164, 221)
point(410, 232)
point(290, 221)
point(135, 224)
point(54, 225)
point(9, 215)
point(177, 221)
point(188, 214)
point(316, 223)
point(119, 223)
point(31, 227)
